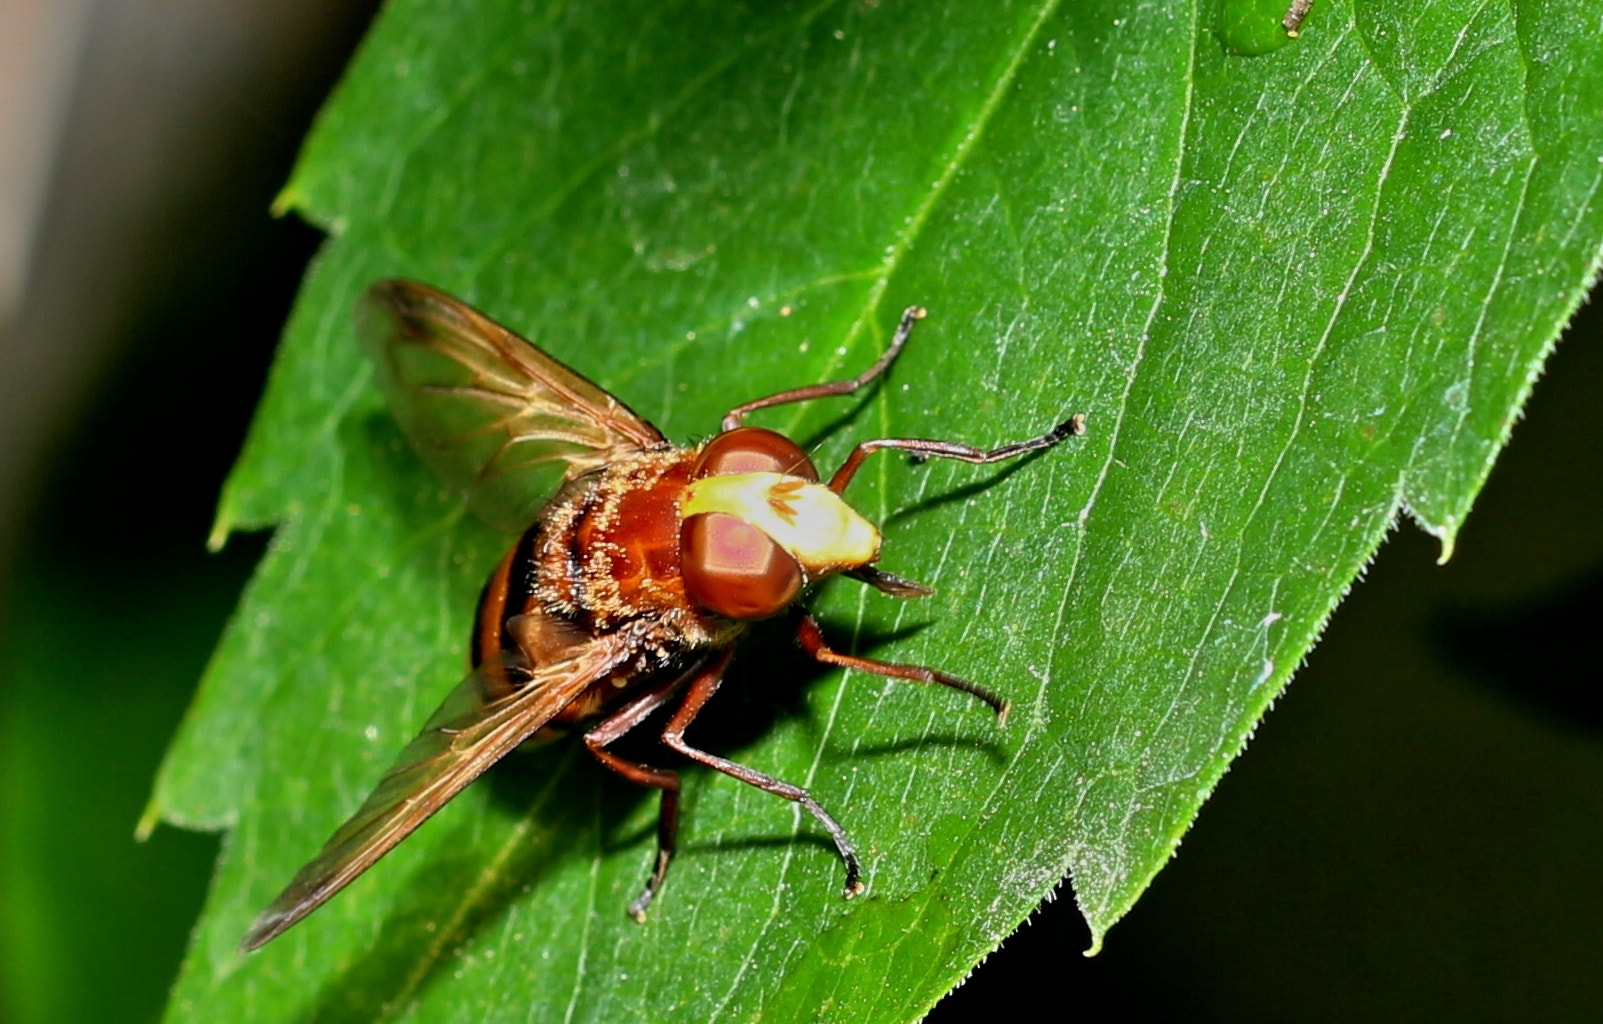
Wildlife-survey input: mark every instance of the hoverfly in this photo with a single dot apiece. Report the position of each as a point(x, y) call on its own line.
point(644, 564)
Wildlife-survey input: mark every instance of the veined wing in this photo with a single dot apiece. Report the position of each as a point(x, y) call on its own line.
point(494, 709)
point(490, 414)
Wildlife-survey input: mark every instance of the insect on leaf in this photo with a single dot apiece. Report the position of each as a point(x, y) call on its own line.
point(1295, 294)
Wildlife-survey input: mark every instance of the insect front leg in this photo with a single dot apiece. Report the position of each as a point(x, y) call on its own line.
point(922, 449)
point(614, 726)
point(701, 690)
point(812, 640)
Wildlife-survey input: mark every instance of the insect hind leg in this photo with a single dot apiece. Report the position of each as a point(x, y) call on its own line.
point(701, 690)
point(616, 725)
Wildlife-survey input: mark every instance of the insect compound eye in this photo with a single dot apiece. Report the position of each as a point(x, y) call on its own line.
point(733, 569)
point(753, 450)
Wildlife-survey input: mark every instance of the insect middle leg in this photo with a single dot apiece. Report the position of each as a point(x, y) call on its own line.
point(812, 640)
point(701, 690)
point(922, 449)
point(614, 726)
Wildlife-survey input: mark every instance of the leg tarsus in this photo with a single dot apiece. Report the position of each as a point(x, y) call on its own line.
point(888, 583)
point(922, 450)
point(637, 908)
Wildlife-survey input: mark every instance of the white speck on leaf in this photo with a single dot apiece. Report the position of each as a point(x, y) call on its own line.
point(1263, 676)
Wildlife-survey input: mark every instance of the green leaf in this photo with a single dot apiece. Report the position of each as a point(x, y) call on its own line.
point(1294, 295)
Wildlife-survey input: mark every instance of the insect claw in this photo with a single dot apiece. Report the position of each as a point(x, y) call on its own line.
point(1074, 426)
point(854, 881)
point(1001, 714)
point(637, 908)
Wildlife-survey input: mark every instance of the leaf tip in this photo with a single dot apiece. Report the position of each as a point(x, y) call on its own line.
point(1445, 531)
point(1446, 535)
point(149, 818)
point(222, 526)
point(286, 200)
point(1447, 540)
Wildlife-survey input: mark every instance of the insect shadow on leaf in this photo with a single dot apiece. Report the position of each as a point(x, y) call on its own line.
point(455, 892)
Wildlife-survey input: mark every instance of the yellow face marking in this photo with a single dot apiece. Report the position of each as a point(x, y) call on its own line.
point(809, 521)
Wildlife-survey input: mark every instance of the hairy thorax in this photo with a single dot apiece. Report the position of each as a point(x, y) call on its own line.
point(604, 556)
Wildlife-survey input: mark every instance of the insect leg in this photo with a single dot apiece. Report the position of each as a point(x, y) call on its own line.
point(910, 316)
point(610, 729)
point(1295, 15)
point(888, 583)
point(701, 691)
point(1071, 427)
point(812, 641)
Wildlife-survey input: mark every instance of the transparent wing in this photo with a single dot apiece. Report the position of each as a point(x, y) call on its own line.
point(491, 415)
point(489, 713)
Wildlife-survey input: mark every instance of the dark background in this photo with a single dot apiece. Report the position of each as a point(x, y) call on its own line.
point(1414, 835)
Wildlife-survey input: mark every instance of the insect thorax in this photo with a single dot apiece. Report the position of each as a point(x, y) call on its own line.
point(608, 554)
